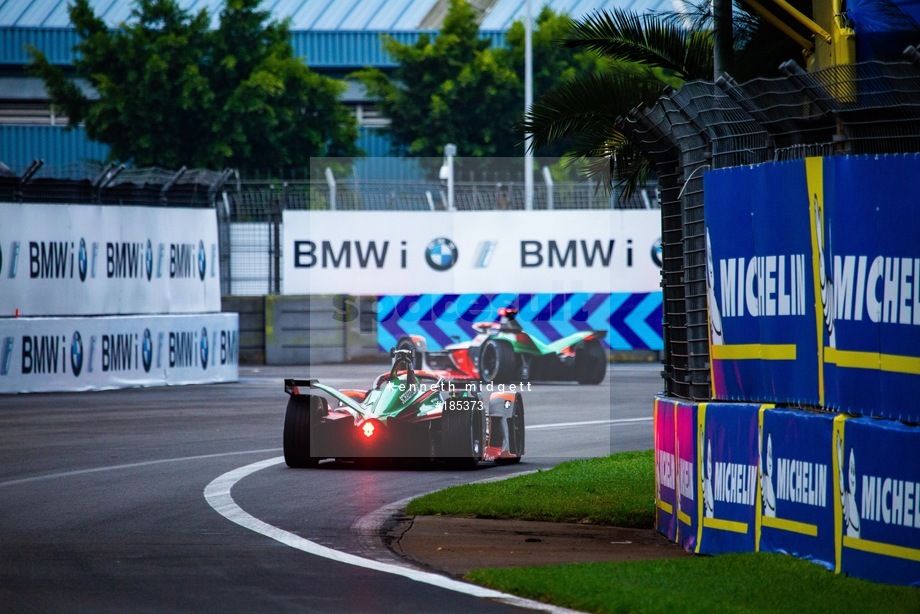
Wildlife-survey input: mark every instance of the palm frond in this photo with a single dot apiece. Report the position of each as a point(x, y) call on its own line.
point(648, 39)
point(586, 108)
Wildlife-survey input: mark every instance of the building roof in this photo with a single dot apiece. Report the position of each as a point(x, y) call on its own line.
point(328, 15)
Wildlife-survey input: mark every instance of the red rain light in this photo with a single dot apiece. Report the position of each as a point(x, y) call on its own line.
point(368, 429)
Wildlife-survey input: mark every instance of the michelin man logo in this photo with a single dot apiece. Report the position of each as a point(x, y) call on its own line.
point(715, 317)
point(827, 283)
point(848, 491)
point(708, 499)
point(767, 494)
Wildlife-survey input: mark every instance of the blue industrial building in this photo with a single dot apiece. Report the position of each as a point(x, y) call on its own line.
point(334, 37)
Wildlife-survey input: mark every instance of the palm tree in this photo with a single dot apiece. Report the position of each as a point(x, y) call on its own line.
point(645, 55)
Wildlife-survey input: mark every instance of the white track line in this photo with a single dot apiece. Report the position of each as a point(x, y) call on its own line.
point(565, 425)
point(217, 494)
point(75, 472)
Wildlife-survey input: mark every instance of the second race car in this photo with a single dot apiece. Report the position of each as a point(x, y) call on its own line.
point(503, 352)
point(407, 414)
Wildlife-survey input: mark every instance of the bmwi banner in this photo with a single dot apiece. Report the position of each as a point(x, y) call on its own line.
point(441, 252)
point(95, 353)
point(63, 260)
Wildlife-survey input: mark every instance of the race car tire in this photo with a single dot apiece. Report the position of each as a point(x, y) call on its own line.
point(590, 362)
point(515, 432)
point(299, 418)
point(498, 363)
point(462, 432)
point(406, 343)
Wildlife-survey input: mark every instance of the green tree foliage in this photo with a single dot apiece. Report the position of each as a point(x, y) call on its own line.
point(552, 63)
point(452, 89)
point(172, 91)
point(645, 54)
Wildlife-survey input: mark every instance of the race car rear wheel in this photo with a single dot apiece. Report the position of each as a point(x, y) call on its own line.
point(302, 412)
point(462, 432)
point(590, 362)
point(497, 362)
point(406, 343)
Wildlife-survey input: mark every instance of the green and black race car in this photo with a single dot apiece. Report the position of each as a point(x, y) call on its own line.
point(406, 414)
point(503, 352)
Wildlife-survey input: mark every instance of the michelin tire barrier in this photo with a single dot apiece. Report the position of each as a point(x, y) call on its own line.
point(96, 353)
point(841, 491)
point(813, 274)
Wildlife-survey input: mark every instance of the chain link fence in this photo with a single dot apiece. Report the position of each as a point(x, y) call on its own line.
point(867, 108)
point(250, 210)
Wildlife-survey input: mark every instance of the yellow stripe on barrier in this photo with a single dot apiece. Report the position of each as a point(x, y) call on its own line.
point(873, 360)
point(683, 517)
point(790, 525)
point(725, 525)
point(665, 507)
point(754, 351)
point(867, 545)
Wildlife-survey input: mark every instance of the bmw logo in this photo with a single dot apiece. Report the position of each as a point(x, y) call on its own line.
point(441, 254)
point(202, 260)
point(203, 348)
point(82, 259)
point(147, 350)
point(76, 353)
point(656, 252)
point(149, 260)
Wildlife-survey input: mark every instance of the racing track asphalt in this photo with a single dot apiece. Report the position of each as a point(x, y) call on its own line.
point(103, 508)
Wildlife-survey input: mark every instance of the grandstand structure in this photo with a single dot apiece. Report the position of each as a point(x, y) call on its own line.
point(334, 37)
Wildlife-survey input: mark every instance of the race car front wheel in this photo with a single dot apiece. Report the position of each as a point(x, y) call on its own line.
point(497, 362)
point(590, 362)
point(301, 413)
point(462, 432)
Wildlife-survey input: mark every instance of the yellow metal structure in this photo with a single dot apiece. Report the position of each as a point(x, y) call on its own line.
point(835, 40)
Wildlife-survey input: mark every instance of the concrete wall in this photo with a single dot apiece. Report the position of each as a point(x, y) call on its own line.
point(252, 326)
point(305, 330)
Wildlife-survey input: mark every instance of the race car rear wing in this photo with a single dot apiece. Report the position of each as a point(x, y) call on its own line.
point(293, 387)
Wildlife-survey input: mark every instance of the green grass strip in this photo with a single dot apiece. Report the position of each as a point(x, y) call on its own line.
point(617, 490)
point(752, 582)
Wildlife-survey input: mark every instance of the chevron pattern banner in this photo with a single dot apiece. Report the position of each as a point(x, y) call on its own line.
point(632, 320)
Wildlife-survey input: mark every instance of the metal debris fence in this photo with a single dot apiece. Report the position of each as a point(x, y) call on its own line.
point(866, 108)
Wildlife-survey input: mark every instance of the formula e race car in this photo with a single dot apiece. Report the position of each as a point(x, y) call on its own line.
point(406, 414)
point(503, 352)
